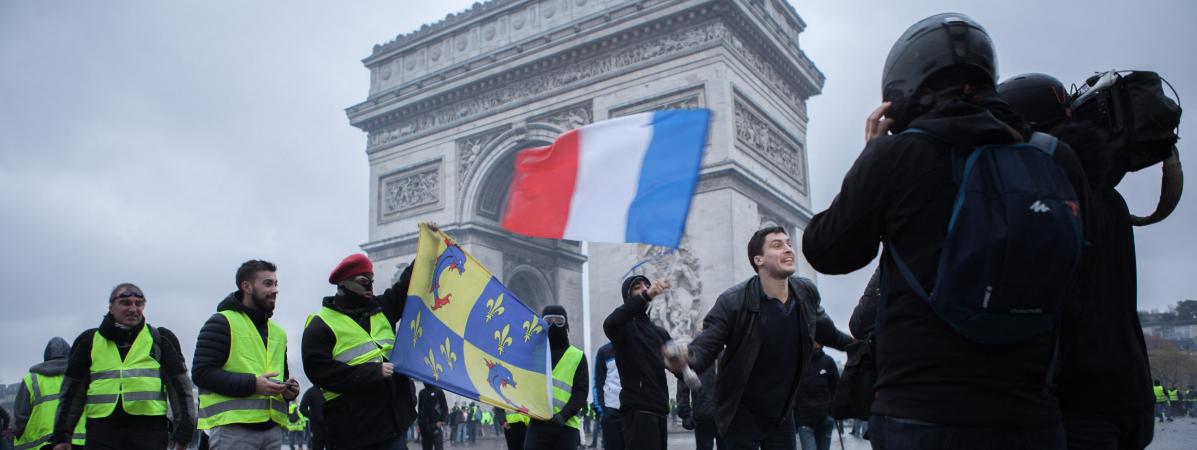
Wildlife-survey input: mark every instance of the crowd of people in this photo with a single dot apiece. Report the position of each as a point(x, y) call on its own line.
point(1054, 319)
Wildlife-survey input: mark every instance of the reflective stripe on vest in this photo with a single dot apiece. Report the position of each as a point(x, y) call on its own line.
point(134, 380)
point(248, 355)
point(354, 346)
point(1160, 396)
point(563, 381)
point(43, 397)
point(514, 417)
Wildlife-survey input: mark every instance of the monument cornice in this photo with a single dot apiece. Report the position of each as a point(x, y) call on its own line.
point(734, 175)
point(394, 119)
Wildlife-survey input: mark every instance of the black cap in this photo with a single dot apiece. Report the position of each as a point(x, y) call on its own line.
point(942, 41)
point(1039, 98)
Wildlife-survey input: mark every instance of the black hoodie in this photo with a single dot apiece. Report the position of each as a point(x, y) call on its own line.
point(901, 188)
point(637, 341)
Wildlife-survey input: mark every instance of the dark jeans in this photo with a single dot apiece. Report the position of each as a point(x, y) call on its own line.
point(643, 430)
point(514, 435)
point(316, 437)
point(396, 443)
point(546, 436)
point(612, 427)
point(103, 435)
point(706, 434)
point(1109, 432)
point(818, 436)
point(778, 437)
point(888, 433)
point(431, 437)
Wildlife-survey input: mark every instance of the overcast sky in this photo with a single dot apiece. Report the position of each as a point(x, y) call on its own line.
point(164, 143)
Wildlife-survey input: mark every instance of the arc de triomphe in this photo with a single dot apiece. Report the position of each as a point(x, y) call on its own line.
point(451, 103)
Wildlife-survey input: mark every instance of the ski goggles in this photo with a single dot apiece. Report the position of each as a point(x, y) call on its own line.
point(554, 320)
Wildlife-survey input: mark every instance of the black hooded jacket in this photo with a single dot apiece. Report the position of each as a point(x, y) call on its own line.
point(1104, 366)
point(371, 409)
point(54, 363)
point(816, 390)
point(637, 342)
point(179, 395)
point(901, 188)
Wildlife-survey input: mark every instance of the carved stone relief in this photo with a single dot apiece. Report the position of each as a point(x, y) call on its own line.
point(567, 118)
point(469, 153)
point(679, 309)
point(417, 188)
point(769, 143)
point(686, 99)
point(552, 79)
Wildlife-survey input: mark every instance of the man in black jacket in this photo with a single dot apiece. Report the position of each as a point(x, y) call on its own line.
point(1104, 349)
point(561, 431)
point(696, 408)
point(934, 385)
point(812, 413)
point(644, 395)
point(374, 406)
point(254, 299)
point(312, 407)
point(432, 411)
point(762, 331)
point(121, 429)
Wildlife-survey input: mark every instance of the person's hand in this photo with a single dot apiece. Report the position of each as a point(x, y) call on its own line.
point(659, 286)
point(558, 420)
point(387, 369)
point(440, 424)
point(292, 390)
point(180, 446)
point(877, 126)
point(63, 446)
point(265, 385)
point(676, 356)
point(506, 426)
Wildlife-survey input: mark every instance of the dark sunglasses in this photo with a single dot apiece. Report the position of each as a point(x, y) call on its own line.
point(130, 294)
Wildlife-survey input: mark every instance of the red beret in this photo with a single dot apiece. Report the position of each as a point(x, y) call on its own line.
point(352, 266)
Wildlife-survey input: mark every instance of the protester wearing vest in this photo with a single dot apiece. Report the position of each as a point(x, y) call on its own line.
point(120, 377)
point(240, 365)
point(37, 400)
point(346, 351)
point(570, 387)
point(296, 424)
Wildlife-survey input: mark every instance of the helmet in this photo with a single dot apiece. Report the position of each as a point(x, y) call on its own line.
point(938, 42)
point(1039, 98)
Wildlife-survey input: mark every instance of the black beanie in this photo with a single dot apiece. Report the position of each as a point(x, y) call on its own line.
point(626, 290)
point(554, 309)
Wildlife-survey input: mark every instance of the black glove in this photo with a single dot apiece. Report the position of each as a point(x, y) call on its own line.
point(688, 423)
point(558, 420)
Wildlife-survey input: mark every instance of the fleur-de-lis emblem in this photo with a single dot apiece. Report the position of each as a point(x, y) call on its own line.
point(448, 353)
point(436, 367)
point(417, 330)
point(503, 338)
point(531, 327)
point(494, 307)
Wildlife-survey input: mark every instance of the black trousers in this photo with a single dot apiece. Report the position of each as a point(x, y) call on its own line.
point(706, 434)
point(612, 426)
point(514, 435)
point(1110, 432)
point(643, 430)
point(150, 434)
point(546, 436)
point(431, 437)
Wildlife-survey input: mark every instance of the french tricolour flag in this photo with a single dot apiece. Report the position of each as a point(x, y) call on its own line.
point(627, 179)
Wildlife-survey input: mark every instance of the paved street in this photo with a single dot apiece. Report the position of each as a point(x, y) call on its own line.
point(1178, 435)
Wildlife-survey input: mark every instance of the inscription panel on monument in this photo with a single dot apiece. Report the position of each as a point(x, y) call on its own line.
point(689, 98)
point(769, 143)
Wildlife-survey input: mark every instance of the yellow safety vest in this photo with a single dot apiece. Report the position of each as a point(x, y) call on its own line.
point(135, 381)
point(295, 419)
point(43, 397)
point(1160, 395)
point(248, 355)
point(1172, 395)
point(514, 417)
point(354, 346)
point(563, 382)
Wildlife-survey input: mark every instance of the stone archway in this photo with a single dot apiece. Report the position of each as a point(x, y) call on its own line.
point(531, 286)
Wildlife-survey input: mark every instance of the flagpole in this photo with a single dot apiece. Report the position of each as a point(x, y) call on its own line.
point(586, 307)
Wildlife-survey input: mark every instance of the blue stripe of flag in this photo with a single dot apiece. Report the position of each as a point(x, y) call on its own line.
point(657, 215)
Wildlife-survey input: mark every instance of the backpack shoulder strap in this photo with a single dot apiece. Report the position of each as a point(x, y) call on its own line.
point(155, 338)
point(1046, 143)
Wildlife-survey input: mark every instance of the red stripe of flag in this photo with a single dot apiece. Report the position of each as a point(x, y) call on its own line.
point(542, 188)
